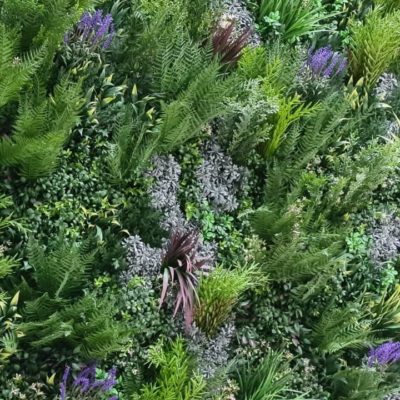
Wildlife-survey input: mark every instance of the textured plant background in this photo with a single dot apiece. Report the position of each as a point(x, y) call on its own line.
point(199, 199)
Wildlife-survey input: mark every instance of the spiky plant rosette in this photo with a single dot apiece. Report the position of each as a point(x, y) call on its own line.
point(180, 265)
point(226, 46)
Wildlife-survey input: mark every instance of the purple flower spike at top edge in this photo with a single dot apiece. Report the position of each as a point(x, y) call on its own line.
point(318, 60)
point(63, 385)
point(385, 354)
point(111, 380)
point(94, 28)
point(108, 383)
point(325, 62)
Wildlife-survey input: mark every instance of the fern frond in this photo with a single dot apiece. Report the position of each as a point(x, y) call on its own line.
point(41, 130)
point(339, 329)
point(15, 73)
point(63, 271)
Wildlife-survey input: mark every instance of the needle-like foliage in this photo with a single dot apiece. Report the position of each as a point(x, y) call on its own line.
point(373, 46)
point(220, 291)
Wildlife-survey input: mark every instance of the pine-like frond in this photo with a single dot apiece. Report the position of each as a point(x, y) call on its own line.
point(202, 101)
point(87, 325)
point(373, 46)
point(41, 130)
point(62, 272)
point(177, 64)
point(15, 73)
point(340, 329)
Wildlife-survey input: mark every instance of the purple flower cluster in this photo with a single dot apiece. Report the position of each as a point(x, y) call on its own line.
point(386, 353)
point(86, 385)
point(94, 28)
point(326, 63)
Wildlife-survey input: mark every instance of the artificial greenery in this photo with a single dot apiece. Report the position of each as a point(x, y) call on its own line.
point(237, 160)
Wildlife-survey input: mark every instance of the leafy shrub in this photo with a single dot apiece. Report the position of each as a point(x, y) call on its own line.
point(9, 331)
point(16, 73)
point(41, 129)
point(373, 46)
point(220, 291)
point(358, 383)
point(176, 379)
point(7, 263)
point(339, 329)
point(292, 20)
point(52, 316)
point(267, 381)
point(87, 326)
point(48, 21)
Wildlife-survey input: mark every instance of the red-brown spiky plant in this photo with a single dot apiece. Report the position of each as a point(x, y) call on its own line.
point(179, 265)
point(227, 47)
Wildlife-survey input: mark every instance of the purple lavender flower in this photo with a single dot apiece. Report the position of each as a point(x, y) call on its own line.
point(325, 62)
point(85, 378)
point(108, 383)
point(111, 380)
point(86, 382)
point(63, 385)
point(386, 353)
point(94, 28)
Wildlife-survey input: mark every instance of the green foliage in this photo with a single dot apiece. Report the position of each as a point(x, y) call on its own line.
point(178, 63)
point(340, 329)
point(388, 6)
point(86, 325)
point(148, 26)
point(359, 384)
point(15, 73)
point(292, 20)
point(7, 264)
point(386, 314)
point(253, 62)
point(41, 129)
point(134, 141)
point(177, 379)
point(42, 21)
point(269, 380)
point(315, 165)
point(63, 272)
point(220, 291)
point(9, 331)
point(373, 46)
point(305, 258)
point(202, 101)
point(290, 110)
point(181, 120)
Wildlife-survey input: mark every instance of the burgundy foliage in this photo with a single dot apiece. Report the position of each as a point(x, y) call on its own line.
point(180, 264)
